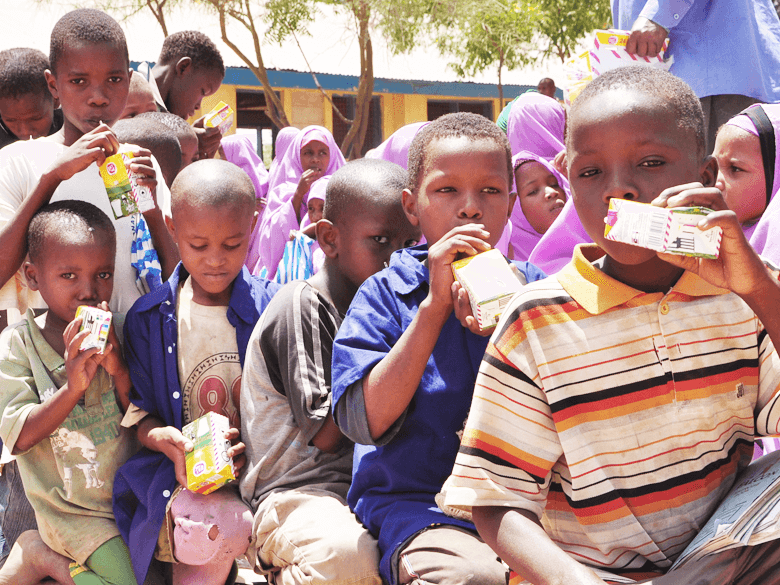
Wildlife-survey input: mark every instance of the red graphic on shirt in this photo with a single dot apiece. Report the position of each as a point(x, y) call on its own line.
point(212, 396)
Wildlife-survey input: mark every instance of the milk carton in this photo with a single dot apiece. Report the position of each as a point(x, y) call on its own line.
point(98, 323)
point(124, 194)
point(208, 465)
point(221, 116)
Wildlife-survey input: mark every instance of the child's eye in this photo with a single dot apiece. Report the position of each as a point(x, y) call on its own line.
point(651, 163)
point(410, 243)
point(198, 248)
point(736, 169)
point(78, 81)
point(532, 193)
point(105, 275)
point(231, 246)
point(491, 190)
point(381, 239)
point(68, 275)
point(589, 173)
point(116, 79)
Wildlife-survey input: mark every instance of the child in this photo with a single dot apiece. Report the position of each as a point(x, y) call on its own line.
point(155, 137)
point(618, 400)
point(283, 141)
point(404, 366)
point(396, 148)
point(541, 192)
point(299, 465)
point(140, 98)
point(188, 139)
point(185, 346)
point(90, 77)
point(62, 405)
point(188, 69)
point(536, 123)
point(312, 154)
point(27, 109)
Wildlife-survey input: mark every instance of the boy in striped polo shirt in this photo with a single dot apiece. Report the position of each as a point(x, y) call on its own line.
point(618, 400)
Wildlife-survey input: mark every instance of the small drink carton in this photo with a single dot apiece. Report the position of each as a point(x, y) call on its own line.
point(490, 282)
point(124, 194)
point(221, 116)
point(672, 230)
point(208, 465)
point(98, 323)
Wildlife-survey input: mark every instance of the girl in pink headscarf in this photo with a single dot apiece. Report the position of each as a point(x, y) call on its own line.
point(312, 155)
point(283, 141)
point(536, 124)
point(396, 148)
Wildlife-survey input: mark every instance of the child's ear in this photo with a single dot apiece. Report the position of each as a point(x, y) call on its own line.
point(560, 164)
point(409, 203)
point(51, 82)
point(512, 201)
point(328, 238)
point(183, 65)
point(171, 228)
point(255, 215)
point(709, 171)
point(31, 274)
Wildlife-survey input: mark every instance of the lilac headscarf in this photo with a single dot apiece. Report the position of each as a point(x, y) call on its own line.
point(396, 148)
point(763, 234)
point(524, 237)
point(279, 217)
point(536, 124)
point(283, 141)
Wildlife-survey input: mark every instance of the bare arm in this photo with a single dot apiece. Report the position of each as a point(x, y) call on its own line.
point(521, 542)
point(329, 438)
point(155, 435)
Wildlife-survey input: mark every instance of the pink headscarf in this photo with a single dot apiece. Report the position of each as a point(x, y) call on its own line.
point(396, 148)
point(763, 234)
point(524, 237)
point(283, 141)
point(317, 191)
point(279, 217)
point(536, 124)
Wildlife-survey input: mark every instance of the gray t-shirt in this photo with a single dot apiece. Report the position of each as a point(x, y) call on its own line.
point(285, 397)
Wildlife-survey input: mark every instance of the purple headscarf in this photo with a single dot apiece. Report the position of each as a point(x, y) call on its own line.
point(279, 217)
point(536, 124)
point(396, 148)
point(763, 234)
point(524, 237)
point(283, 141)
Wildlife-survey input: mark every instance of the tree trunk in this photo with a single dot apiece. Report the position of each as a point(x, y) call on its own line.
point(352, 146)
point(500, 85)
point(159, 13)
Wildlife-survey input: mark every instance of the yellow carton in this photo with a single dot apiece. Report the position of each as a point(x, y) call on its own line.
point(490, 282)
point(124, 194)
point(98, 323)
point(220, 117)
point(208, 465)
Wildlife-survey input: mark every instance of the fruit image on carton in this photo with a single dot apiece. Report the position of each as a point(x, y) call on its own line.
point(221, 116)
point(671, 230)
point(208, 465)
point(125, 195)
point(490, 282)
point(98, 323)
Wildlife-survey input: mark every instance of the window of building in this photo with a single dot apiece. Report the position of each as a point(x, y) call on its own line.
point(346, 105)
point(438, 108)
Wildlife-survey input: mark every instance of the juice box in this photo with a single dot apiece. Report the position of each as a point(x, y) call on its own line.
point(124, 194)
point(221, 116)
point(490, 282)
point(98, 323)
point(671, 230)
point(208, 465)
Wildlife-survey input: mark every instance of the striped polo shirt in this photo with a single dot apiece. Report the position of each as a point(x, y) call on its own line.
point(620, 418)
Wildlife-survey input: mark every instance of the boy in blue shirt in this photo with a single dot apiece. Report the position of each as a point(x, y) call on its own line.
point(404, 366)
point(185, 347)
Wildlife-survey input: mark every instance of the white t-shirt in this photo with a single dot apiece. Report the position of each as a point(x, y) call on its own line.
point(21, 165)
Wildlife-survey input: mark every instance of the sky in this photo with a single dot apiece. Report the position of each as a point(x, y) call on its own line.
point(331, 47)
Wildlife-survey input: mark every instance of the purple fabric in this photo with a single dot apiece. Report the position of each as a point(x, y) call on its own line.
point(536, 124)
point(240, 151)
point(524, 237)
point(556, 247)
point(283, 141)
point(279, 217)
point(763, 234)
point(396, 148)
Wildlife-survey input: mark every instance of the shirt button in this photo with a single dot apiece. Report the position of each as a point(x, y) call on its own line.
point(176, 395)
point(664, 309)
point(170, 349)
point(166, 494)
point(677, 17)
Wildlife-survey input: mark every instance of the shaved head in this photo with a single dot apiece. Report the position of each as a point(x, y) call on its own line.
point(212, 183)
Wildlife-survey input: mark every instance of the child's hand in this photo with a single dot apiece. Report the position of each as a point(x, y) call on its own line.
point(310, 231)
point(462, 304)
point(691, 195)
point(236, 452)
point(141, 165)
point(80, 366)
point(459, 242)
point(92, 147)
point(113, 360)
point(209, 139)
point(171, 442)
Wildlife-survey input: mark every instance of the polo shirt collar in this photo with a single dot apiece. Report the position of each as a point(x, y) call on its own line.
point(596, 292)
point(49, 358)
point(408, 273)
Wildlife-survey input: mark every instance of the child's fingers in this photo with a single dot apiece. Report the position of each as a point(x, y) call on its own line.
point(71, 330)
point(236, 449)
point(709, 197)
point(661, 200)
point(232, 434)
point(239, 462)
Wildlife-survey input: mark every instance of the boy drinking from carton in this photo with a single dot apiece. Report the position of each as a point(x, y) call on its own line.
point(185, 346)
point(299, 464)
point(404, 366)
point(27, 108)
point(618, 400)
point(89, 76)
point(62, 404)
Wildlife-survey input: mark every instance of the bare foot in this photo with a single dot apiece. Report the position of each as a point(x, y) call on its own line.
point(31, 562)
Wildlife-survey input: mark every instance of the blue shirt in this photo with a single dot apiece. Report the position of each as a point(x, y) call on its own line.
point(144, 484)
point(719, 46)
point(394, 484)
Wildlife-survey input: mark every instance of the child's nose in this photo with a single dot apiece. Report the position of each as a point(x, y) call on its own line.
point(88, 290)
point(99, 96)
point(621, 186)
point(720, 181)
point(471, 208)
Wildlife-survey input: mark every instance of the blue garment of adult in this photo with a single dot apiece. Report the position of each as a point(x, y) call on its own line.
point(144, 484)
point(719, 46)
point(394, 485)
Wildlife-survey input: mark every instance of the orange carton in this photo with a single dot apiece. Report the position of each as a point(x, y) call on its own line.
point(208, 465)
